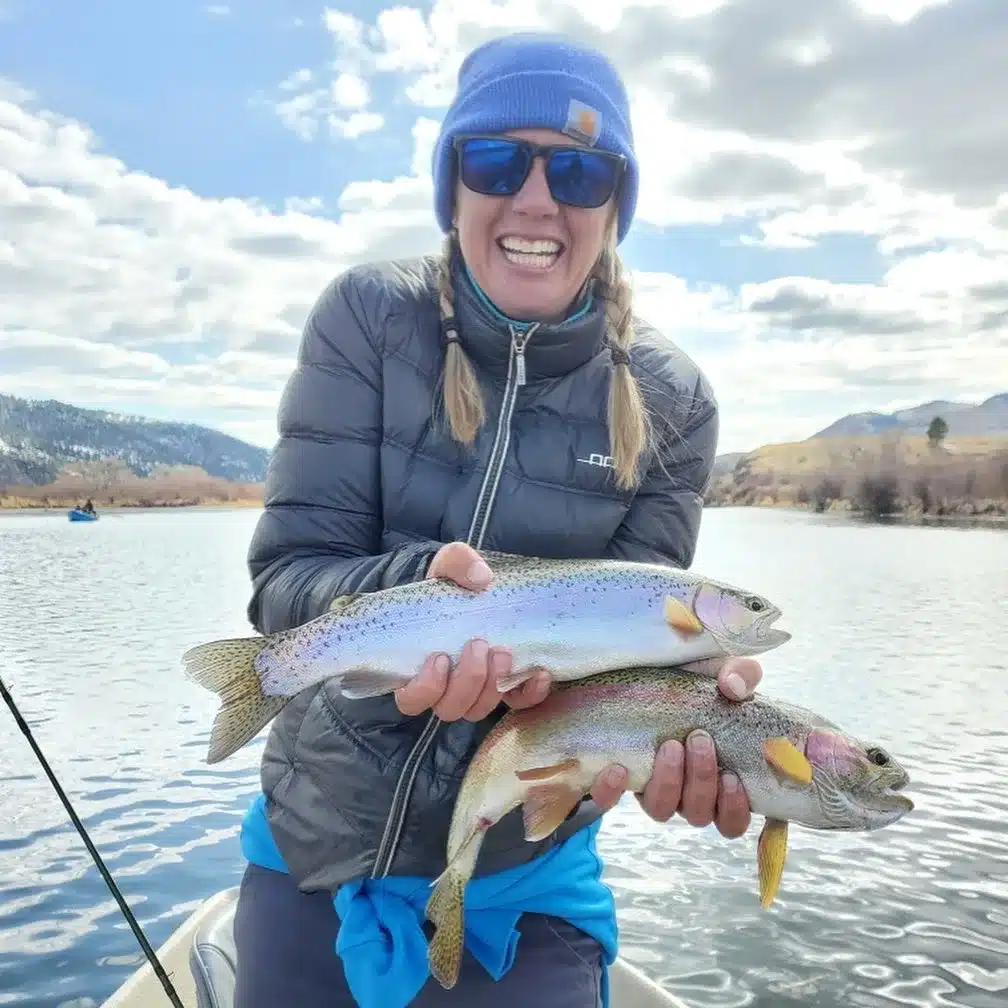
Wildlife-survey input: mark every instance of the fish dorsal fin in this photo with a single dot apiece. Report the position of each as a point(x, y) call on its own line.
point(788, 760)
point(545, 772)
point(545, 808)
point(771, 853)
point(680, 616)
point(343, 601)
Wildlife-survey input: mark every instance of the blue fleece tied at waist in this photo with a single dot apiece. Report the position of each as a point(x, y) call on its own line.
point(381, 940)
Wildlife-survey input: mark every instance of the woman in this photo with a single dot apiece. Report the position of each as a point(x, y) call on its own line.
point(499, 396)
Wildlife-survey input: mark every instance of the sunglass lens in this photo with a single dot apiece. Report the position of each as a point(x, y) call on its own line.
point(493, 167)
point(582, 178)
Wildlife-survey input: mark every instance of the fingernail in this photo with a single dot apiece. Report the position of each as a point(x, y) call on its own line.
point(730, 783)
point(500, 661)
point(479, 648)
point(671, 754)
point(736, 686)
point(616, 776)
point(441, 664)
point(479, 573)
point(700, 743)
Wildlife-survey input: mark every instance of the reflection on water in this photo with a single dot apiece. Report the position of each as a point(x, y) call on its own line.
point(900, 636)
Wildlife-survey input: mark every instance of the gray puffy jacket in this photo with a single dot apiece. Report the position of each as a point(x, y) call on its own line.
point(363, 489)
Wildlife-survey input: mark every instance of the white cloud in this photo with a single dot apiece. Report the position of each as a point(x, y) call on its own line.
point(118, 286)
point(218, 10)
point(786, 123)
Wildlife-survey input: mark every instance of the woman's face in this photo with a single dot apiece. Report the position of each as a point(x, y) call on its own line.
point(530, 254)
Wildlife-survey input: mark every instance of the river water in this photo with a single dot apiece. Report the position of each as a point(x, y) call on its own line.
point(900, 635)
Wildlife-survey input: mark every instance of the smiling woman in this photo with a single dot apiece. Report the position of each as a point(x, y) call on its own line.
point(501, 395)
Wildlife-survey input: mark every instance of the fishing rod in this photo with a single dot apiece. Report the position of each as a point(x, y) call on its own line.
point(152, 958)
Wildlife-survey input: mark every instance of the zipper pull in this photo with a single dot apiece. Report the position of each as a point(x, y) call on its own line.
point(520, 362)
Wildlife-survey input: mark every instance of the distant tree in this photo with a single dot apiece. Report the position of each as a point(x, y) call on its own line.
point(826, 492)
point(937, 431)
point(877, 496)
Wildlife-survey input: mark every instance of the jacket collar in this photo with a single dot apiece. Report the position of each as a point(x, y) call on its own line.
point(552, 350)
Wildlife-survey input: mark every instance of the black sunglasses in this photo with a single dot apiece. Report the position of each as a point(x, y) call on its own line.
point(576, 176)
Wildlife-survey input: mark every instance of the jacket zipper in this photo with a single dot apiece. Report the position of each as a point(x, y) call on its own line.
point(389, 845)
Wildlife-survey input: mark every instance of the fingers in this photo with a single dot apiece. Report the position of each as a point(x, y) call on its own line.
point(733, 814)
point(425, 689)
point(531, 692)
point(700, 780)
point(664, 790)
point(738, 677)
point(466, 682)
point(498, 665)
point(467, 691)
point(460, 563)
point(608, 787)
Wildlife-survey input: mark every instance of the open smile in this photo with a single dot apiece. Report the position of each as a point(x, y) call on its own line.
point(531, 254)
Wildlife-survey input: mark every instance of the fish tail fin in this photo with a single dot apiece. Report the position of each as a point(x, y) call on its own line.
point(444, 910)
point(227, 668)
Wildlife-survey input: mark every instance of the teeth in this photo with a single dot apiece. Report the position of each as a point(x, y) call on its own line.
point(543, 246)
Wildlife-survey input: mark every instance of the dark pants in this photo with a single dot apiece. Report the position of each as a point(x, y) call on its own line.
point(287, 959)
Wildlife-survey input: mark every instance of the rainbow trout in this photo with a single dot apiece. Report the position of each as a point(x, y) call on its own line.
point(571, 617)
point(794, 766)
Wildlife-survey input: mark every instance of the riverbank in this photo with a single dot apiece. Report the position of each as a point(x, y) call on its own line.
point(111, 487)
point(890, 476)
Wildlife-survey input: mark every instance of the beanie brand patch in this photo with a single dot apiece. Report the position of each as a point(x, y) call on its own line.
point(583, 122)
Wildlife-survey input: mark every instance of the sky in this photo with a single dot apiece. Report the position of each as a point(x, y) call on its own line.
point(822, 223)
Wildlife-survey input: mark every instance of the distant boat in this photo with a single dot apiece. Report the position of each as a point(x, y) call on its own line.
point(79, 514)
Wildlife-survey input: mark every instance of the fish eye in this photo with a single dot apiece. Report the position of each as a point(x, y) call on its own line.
point(755, 604)
point(878, 756)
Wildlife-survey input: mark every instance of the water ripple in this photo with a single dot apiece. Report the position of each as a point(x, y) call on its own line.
point(916, 914)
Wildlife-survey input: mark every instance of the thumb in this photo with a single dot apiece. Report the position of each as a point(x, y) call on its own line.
point(460, 563)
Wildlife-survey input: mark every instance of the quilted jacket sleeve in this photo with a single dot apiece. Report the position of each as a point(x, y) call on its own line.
point(320, 534)
point(663, 522)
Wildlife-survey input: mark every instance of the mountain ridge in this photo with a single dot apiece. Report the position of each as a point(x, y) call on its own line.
point(39, 437)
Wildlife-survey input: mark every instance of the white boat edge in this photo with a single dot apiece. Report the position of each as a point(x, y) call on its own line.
point(629, 988)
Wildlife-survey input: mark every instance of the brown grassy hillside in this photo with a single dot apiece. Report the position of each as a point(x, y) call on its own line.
point(882, 473)
point(111, 484)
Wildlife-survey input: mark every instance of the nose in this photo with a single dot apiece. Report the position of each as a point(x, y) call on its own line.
point(534, 197)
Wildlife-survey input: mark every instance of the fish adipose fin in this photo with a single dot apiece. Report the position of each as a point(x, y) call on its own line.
point(771, 853)
point(227, 668)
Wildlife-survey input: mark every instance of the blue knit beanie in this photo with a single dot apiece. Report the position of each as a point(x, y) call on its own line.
point(537, 81)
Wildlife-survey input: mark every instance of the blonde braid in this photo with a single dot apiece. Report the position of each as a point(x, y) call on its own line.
point(629, 431)
point(463, 401)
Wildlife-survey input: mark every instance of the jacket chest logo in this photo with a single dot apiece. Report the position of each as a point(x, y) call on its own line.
point(598, 459)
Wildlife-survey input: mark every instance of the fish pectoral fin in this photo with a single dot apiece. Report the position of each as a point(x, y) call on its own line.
point(513, 679)
point(365, 681)
point(771, 853)
point(545, 808)
point(788, 760)
point(680, 616)
point(545, 772)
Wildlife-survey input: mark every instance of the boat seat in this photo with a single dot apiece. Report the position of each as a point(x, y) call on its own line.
point(212, 957)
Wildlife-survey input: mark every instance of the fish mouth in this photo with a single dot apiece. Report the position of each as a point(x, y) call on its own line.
point(767, 635)
point(887, 807)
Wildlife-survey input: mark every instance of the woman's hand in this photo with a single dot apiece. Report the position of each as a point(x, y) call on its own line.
point(685, 779)
point(470, 689)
